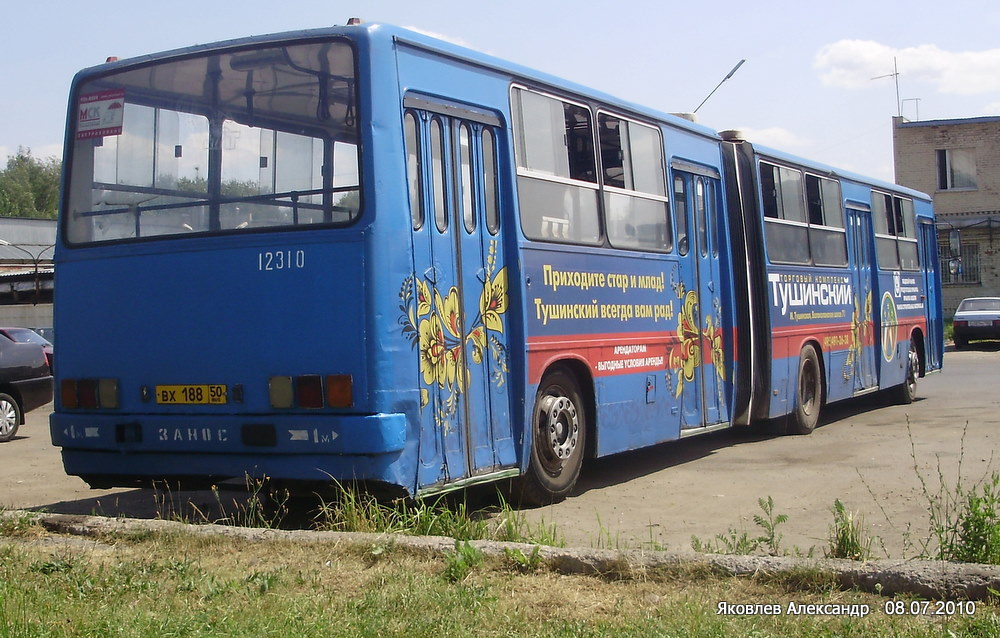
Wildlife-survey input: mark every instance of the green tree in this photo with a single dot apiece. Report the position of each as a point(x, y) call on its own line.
point(29, 187)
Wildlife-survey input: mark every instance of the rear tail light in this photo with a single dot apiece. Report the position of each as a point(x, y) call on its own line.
point(311, 391)
point(960, 323)
point(340, 391)
point(89, 394)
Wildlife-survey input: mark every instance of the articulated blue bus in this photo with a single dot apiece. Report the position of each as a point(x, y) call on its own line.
point(360, 253)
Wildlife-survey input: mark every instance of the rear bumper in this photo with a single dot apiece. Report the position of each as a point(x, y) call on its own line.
point(976, 332)
point(313, 448)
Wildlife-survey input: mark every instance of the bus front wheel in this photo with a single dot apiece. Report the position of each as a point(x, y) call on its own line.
point(558, 439)
point(809, 393)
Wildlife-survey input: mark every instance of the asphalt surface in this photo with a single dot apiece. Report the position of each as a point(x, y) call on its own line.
point(883, 461)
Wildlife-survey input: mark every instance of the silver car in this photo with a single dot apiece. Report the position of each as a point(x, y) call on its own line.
point(977, 318)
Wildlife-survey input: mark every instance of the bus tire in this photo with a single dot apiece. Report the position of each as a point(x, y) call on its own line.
point(906, 392)
point(558, 440)
point(10, 417)
point(808, 394)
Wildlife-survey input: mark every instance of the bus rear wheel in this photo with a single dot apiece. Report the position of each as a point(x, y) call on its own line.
point(809, 393)
point(907, 392)
point(558, 439)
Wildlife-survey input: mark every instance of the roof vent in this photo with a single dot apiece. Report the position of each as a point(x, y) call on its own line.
point(690, 117)
point(733, 135)
point(353, 22)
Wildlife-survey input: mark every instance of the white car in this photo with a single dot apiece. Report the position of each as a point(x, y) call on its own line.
point(976, 318)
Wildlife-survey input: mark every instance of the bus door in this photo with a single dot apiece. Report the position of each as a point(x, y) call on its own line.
point(864, 350)
point(460, 297)
point(697, 210)
point(929, 260)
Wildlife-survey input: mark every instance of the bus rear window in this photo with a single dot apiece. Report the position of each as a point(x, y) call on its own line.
point(256, 138)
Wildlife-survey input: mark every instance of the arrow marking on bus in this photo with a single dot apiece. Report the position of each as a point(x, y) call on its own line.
point(299, 435)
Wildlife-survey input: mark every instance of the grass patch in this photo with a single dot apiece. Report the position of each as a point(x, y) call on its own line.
point(18, 524)
point(355, 511)
point(848, 538)
point(740, 542)
point(348, 508)
point(191, 586)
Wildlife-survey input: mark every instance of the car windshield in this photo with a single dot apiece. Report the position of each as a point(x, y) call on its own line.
point(231, 141)
point(979, 304)
point(24, 335)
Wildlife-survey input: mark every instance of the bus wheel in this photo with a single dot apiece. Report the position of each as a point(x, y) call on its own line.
point(809, 396)
point(907, 392)
point(558, 438)
point(10, 417)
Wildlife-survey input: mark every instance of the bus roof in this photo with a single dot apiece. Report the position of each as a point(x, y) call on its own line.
point(390, 35)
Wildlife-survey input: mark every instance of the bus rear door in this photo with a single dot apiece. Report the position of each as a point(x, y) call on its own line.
point(460, 296)
point(703, 399)
point(932, 302)
point(864, 350)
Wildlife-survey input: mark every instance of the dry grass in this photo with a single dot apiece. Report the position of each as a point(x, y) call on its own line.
point(155, 584)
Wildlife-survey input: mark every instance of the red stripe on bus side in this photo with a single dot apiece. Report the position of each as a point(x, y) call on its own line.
point(611, 354)
point(788, 341)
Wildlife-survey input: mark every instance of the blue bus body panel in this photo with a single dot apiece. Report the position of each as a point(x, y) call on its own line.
point(447, 331)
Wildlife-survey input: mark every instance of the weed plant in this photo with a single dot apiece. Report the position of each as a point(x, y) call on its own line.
point(740, 542)
point(847, 535)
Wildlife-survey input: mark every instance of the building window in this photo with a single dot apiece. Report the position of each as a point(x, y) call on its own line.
point(956, 168)
point(967, 272)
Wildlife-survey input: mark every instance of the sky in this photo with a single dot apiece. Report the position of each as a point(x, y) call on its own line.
point(817, 82)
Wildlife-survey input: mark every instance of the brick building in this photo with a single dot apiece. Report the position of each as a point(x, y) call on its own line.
point(958, 163)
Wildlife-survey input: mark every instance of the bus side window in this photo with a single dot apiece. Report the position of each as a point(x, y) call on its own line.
point(465, 168)
point(636, 209)
point(491, 192)
point(680, 214)
point(556, 169)
point(413, 169)
point(906, 235)
point(885, 231)
point(701, 213)
point(437, 175)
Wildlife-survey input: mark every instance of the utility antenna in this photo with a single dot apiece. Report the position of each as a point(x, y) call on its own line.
point(731, 74)
point(895, 76)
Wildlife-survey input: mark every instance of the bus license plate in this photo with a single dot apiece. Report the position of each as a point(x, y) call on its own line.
point(191, 394)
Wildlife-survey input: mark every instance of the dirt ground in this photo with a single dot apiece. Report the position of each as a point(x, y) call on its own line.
point(870, 454)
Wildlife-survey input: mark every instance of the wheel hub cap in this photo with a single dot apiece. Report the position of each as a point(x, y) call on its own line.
point(560, 425)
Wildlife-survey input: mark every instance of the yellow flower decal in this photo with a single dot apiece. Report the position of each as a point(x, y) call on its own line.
point(688, 358)
point(493, 301)
point(861, 333)
point(477, 338)
point(451, 311)
point(687, 330)
point(433, 351)
point(713, 335)
point(435, 326)
point(423, 299)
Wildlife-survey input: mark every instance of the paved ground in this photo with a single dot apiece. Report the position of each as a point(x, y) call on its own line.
point(701, 486)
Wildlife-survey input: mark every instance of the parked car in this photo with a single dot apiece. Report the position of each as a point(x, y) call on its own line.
point(27, 335)
point(976, 318)
point(25, 384)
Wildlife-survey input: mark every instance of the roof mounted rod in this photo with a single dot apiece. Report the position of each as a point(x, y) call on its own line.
point(731, 74)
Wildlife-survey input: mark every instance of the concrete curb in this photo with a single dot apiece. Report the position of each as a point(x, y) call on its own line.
point(937, 580)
